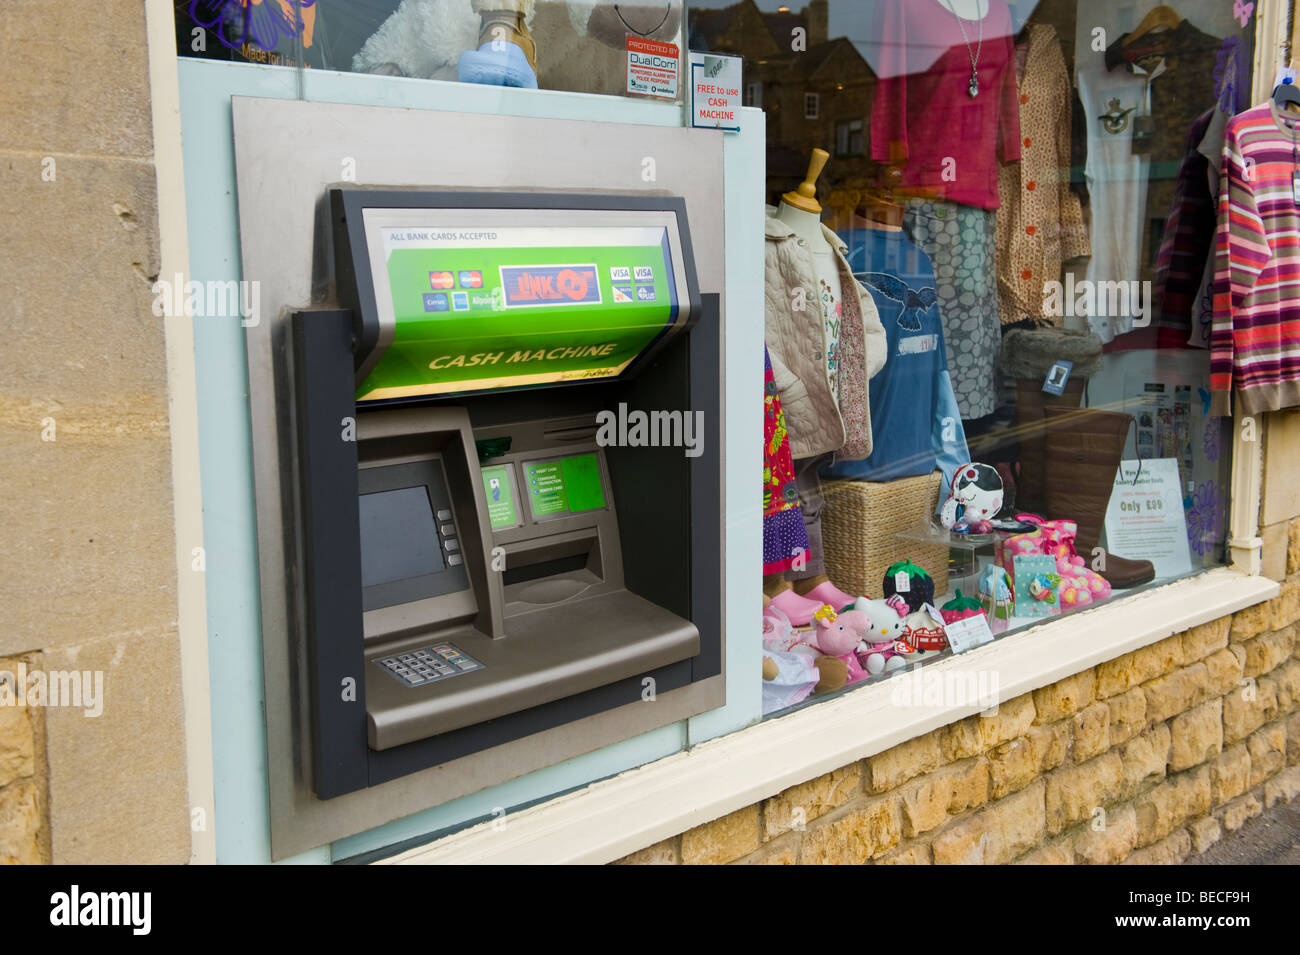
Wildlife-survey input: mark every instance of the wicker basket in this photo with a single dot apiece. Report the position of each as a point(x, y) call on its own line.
point(860, 522)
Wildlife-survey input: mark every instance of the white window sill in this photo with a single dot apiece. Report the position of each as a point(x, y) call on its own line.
point(612, 818)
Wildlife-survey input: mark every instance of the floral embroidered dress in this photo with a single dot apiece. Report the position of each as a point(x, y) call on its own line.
point(784, 536)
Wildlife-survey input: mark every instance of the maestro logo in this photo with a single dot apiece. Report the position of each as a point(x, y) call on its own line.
point(530, 285)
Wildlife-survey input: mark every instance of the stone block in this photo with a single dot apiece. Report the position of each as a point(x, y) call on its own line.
point(37, 70)
point(799, 805)
point(1128, 715)
point(131, 757)
point(1197, 736)
point(1229, 774)
point(893, 767)
point(1248, 707)
point(1222, 673)
point(1293, 740)
point(1205, 832)
point(916, 854)
point(1174, 692)
point(1171, 804)
point(722, 840)
point(998, 834)
point(667, 852)
point(1064, 697)
point(1250, 622)
point(1287, 679)
point(1144, 760)
point(1284, 609)
point(1108, 839)
point(1237, 813)
point(1074, 791)
point(1091, 732)
point(1267, 748)
point(1284, 787)
point(1267, 651)
point(20, 824)
point(978, 734)
point(853, 839)
point(1057, 852)
point(1201, 641)
point(17, 738)
point(1132, 669)
point(926, 803)
point(1173, 849)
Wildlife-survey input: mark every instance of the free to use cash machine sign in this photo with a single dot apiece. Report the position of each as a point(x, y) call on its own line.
point(507, 307)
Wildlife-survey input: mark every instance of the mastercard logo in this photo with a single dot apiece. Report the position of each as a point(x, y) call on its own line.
point(441, 280)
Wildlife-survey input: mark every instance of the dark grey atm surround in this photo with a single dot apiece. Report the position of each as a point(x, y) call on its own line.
point(343, 760)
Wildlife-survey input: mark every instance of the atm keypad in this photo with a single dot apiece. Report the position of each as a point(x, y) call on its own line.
point(429, 664)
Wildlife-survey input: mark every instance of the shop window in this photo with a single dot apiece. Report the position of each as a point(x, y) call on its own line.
point(754, 95)
point(1030, 424)
point(632, 49)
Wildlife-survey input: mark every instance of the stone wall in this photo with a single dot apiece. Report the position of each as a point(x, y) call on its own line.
point(1147, 758)
point(88, 566)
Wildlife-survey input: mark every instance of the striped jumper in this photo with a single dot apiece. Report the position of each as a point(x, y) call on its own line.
point(1255, 337)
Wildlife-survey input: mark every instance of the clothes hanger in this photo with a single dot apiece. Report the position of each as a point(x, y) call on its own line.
point(1286, 96)
point(1160, 18)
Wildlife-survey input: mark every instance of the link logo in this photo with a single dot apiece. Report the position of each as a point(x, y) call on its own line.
point(533, 285)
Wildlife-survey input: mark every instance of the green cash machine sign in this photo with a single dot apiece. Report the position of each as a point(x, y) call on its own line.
point(479, 317)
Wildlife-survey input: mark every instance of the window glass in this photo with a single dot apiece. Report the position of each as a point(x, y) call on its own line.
point(997, 366)
point(632, 49)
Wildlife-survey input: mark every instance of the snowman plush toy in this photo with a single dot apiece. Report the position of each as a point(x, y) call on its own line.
point(975, 499)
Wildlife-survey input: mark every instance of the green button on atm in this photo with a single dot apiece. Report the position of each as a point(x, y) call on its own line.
point(473, 548)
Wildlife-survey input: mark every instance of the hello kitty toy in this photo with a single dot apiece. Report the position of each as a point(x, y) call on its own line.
point(975, 499)
point(885, 648)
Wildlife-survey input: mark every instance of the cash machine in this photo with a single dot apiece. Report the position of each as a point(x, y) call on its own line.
point(508, 487)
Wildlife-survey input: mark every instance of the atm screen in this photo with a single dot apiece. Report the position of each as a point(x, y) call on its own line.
point(398, 536)
point(561, 486)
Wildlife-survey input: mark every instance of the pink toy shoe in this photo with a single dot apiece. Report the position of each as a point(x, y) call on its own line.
point(799, 610)
point(827, 593)
point(1079, 585)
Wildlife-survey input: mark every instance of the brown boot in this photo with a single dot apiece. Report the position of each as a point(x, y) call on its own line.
point(1031, 403)
point(505, 20)
point(1083, 450)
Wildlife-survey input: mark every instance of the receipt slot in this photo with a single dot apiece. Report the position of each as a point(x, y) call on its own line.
point(481, 555)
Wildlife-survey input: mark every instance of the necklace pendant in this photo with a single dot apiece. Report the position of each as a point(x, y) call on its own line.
point(974, 88)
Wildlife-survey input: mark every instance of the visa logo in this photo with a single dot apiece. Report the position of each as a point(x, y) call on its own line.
point(551, 284)
point(643, 273)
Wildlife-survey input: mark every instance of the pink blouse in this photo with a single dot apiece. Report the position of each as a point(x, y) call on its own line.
point(925, 120)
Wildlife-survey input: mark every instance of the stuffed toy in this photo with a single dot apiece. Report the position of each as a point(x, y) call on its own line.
point(923, 630)
point(960, 607)
point(973, 502)
point(838, 637)
point(552, 44)
point(886, 649)
point(920, 585)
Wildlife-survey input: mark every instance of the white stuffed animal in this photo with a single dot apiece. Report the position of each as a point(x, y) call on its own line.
point(887, 618)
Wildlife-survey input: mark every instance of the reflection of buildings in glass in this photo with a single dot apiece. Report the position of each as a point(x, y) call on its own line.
point(818, 95)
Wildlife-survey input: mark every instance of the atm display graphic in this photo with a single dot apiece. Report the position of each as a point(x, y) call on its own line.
point(486, 308)
point(564, 486)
